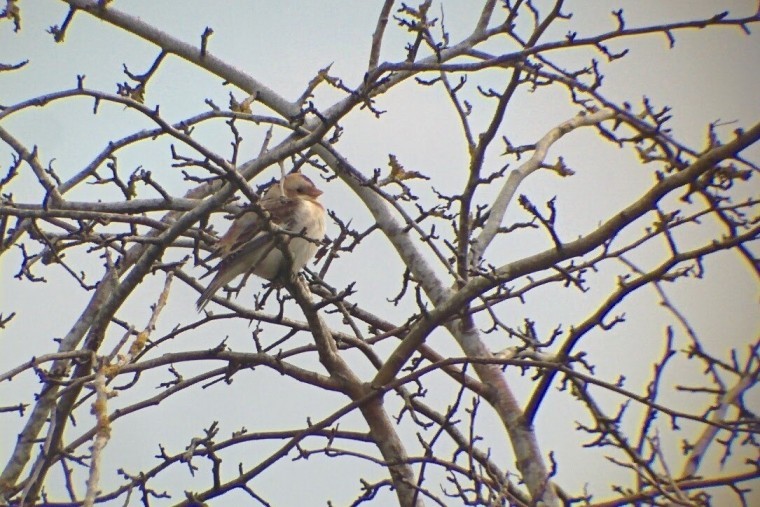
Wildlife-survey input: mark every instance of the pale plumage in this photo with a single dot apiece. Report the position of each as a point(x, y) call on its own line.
point(249, 247)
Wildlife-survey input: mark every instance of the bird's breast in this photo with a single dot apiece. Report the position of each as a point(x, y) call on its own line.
point(309, 220)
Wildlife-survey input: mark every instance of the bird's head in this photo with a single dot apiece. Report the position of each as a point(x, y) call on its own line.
point(298, 185)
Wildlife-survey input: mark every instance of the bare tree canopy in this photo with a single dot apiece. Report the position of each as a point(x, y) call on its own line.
point(538, 283)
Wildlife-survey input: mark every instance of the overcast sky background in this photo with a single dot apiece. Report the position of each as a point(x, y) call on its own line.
point(709, 75)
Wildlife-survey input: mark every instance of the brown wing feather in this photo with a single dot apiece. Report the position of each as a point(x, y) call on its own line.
point(248, 226)
point(241, 239)
point(282, 211)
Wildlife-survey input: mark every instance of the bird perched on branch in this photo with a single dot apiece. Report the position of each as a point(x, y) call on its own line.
point(251, 245)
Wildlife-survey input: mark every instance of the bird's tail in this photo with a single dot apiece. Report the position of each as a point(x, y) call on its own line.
point(207, 294)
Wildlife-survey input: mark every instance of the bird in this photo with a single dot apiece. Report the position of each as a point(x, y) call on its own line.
point(251, 246)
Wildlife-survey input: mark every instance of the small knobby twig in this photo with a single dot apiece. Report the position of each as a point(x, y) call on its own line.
point(207, 33)
point(53, 195)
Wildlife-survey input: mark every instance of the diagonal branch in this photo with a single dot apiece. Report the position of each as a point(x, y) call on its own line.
point(188, 52)
point(516, 177)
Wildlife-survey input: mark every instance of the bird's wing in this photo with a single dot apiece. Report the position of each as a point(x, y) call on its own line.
point(283, 212)
point(245, 227)
point(249, 235)
point(248, 221)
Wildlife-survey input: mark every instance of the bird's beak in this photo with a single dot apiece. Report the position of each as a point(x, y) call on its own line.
point(314, 192)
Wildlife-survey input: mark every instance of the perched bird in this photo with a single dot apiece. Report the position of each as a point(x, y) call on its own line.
point(250, 246)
